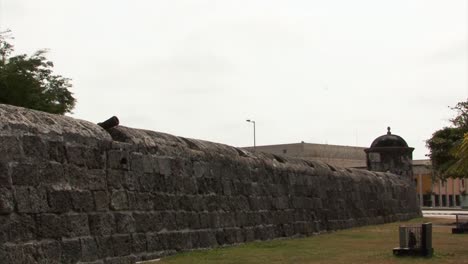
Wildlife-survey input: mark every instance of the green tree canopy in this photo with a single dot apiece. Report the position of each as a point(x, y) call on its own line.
point(460, 166)
point(448, 152)
point(28, 81)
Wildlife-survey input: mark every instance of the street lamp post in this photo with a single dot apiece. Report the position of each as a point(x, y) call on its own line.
point(251, 121)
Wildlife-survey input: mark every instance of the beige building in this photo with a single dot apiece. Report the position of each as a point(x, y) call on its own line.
point(340, 156)
point(435, 192)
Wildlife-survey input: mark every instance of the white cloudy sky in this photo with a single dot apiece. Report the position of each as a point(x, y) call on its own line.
point(335, 71)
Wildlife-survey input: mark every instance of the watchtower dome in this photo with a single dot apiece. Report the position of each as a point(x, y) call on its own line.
point(390, 153)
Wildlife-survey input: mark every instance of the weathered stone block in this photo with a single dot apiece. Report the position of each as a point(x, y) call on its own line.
point(131, 199)
point(156, 242)
point(168, 220)
point(6, 201)
point(71, 250)
point(179, 240)
point(81, 156)
point(56, 151)
point(19, 253)
point(207, 239)
point(281, 203)
point(204, 220)
point(212, 202)
point(163, 202)
point(86, 179)
point(199, 204)
point(177, 183)
point(10, 147)
point(119, 200)
point(144, 201)
point(241, 203)
point(267, 217)
point(89, 249)
point(96, 180)
point(75, 155)
point(139, 242)
point(30, 200)
point(52, 173)
point(122, 244)
point(94, 158)
point(60, 201)
point(101, 200)
point(227, 187)
point(226, 219)
point(161, 184)
point(190, 185)
point(170, 184)
point(217, 186)
point(130, 180)
point(184, 202)
point(125, 223)
point(165, 166)
point(49, 252)
point(194, 237)
point(263, 233)
point(182, 219)
point(148, 222)
point(105, 246)
point(148, 164)
point(15, 228)
point(51, 226)
point(136, 162)
point(200, 169)
point(146, 182)
point(25, 174)
point(220, 236)
point(248, 234)
point(118, 159)
point(76, 225)
point(318, 203)
point(101, 224)
point(34, 146)
point(115, 178)
point(288, 230)
point(233, 235)
point(82, 201)
point(76, 176)
point(5, 175)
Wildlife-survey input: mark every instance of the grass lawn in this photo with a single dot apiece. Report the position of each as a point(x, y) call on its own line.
point(370, 244)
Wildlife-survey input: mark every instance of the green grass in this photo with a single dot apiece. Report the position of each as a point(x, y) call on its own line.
point(371, 244)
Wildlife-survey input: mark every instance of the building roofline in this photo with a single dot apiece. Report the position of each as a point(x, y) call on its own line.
point(301, 143)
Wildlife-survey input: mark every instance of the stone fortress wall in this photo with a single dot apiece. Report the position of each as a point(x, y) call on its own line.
point(71, 192)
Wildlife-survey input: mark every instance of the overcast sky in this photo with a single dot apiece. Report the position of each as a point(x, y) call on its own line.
point(335, 72)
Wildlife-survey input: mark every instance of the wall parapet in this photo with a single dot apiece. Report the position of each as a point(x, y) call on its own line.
point(72, 192)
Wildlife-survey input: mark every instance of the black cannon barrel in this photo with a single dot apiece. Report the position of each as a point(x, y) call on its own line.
point(109, 123)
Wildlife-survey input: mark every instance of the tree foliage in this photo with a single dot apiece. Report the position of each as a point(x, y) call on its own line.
point(28, 81)
point(448, 151)
point(460, 166)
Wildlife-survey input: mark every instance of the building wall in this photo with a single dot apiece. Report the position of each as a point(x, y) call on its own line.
point(434, 192)
point(341, 156)
point(71, 192)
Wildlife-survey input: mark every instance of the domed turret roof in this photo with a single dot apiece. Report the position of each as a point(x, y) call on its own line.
point(388, 141)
